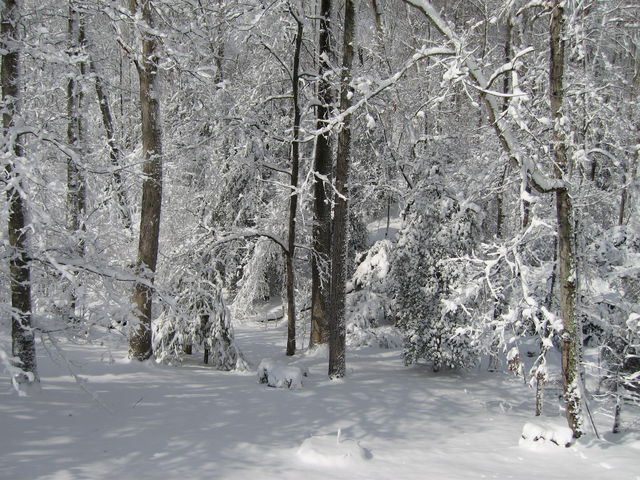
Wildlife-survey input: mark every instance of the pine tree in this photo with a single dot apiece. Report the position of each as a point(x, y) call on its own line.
point(423, 278)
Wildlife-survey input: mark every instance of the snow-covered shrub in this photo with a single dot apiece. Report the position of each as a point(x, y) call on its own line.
point(425, 282)
point(196, 315)
point(368, 321)
point(262, 277)
point(612, 310)
point(278, 375)
point(511, 284)
point(555, 434)
point(372, 270)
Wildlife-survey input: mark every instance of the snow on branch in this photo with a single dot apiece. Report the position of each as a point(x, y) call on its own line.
point(239, 235)
point(423, 53)
point(509, 66)
point(539, 180)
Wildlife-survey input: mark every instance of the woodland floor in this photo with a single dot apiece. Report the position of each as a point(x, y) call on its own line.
point(124, 420)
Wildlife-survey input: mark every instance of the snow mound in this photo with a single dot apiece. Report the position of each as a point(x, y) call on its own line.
point(545, 434)
point(332, 451)
point(279, 375)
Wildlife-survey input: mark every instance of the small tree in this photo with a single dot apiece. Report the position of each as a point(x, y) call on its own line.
point(196, 316)
point(424, 280)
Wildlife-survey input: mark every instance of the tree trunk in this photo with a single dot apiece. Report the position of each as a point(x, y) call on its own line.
point(22, 335)
point(337, 298)
point(629, 177)
point(140, 338)
point(114, 151)
point(570, 334)
point(322, 207)
point(76, 189)
point(377, 15)
point(76, 186)
point(617, 410)
point(293, 198)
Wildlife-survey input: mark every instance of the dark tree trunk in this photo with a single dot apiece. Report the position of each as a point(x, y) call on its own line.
point(322, 206)
point(629, 175)
point(293, 198)
point(140, 338)
point(76, 185)
point(22, 335)
point(570, 335)
point(337, 298)
point(508, 54)
point(114, 151)
point(204, 321)
point(76, 188)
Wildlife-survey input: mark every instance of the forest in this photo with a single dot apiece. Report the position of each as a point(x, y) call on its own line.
point(445, 189)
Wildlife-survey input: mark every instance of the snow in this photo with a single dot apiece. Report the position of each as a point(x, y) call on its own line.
point(332, 451)
point(557, 435)
point(280, 375)
point(144, 421)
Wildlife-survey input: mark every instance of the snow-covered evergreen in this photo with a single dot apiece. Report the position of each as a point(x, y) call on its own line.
point(438, 229)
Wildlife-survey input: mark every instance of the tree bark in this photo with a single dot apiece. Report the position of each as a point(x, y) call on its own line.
point(570, 334)
point(377, 16)
point(114, 150)
point(337, 298)
point(22, 335)
point(76, 188)
point(76, 185)
point(293, 198)
point(322, 207)
point(140, 346)
point(629, 177)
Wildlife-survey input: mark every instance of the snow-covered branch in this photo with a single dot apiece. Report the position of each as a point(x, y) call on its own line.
point(381, 87)
point(539, 180)
point(240, 235)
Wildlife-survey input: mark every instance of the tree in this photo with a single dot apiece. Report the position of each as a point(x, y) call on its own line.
point(22, 333)
point(337, 297)
point(322, 171)
point(425, 278)
point(114, 150)
point(293, 198)
point(76, 185)
point(543, 184)
point(570, 335)
point(140, 346)
point(194, 312)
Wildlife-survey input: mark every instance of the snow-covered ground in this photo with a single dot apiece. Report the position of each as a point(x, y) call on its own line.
point(126, 420)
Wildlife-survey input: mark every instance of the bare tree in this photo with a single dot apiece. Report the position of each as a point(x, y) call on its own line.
point(114, 150)
point(322, 167)
point(76, 185)
point(544, 184)
point(293, 197)
point(337, 297)
point(570, 334)
point(76, 189)
point(140, 346)
point(22, 335)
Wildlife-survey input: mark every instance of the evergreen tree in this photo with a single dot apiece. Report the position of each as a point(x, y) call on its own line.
point(438, 229)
